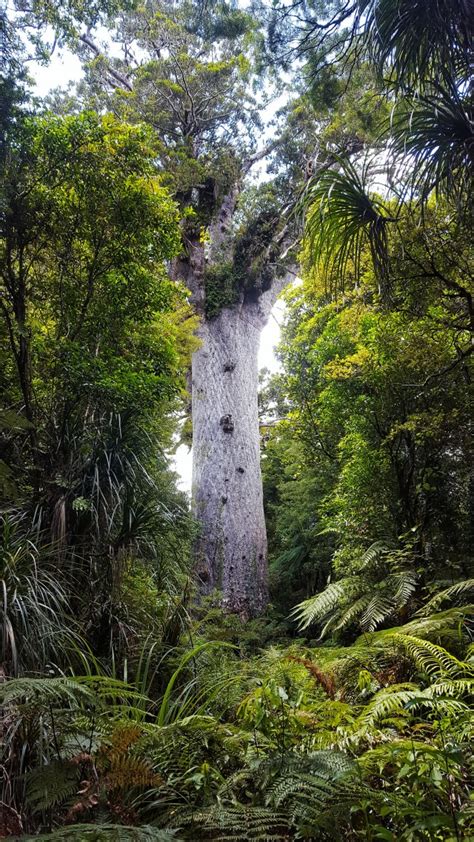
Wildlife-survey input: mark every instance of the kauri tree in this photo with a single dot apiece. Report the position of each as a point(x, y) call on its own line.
point(190, 74)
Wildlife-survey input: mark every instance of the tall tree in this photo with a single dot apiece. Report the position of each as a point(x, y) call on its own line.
point(94, 342)
point(189, 74)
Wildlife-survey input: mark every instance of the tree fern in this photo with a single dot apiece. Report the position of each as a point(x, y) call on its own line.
point(369, 598)
point(387, 702)
point(449, 625)
point(317, 607)
point(431, 658)
point(42, 692)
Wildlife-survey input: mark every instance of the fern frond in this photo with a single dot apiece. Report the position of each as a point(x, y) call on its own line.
point(376, 550)
point(454, 592)
point(240, 823)
point(353, 612)
point(444, 625)
point(404, 583)
point(457, 688)
point(43, 691)
point(387, 702)
point(50, 785)
point(319, 606)
point(430, 657)
point(107, 833)
point(378, 609)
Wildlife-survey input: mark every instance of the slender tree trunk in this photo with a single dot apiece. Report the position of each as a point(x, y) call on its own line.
point(231, 552)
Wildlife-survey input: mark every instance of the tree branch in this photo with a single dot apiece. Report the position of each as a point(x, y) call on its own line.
point(119, 78)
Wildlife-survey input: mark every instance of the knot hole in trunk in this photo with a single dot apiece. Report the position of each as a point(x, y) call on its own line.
point(227, 424)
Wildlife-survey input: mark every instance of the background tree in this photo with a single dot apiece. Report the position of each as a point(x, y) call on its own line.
point(94, 343)
point(424, 156)
point(378, 405)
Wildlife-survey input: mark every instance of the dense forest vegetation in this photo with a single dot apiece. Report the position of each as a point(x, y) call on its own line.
point(164, 677)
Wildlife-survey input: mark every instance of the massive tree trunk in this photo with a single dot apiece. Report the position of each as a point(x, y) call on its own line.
point(227, 484)
point(231, 550)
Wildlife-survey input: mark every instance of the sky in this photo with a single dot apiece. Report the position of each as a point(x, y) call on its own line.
point(65, 68)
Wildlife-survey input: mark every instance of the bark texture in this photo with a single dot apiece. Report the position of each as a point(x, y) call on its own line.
point(227, 485)
point(231, 551)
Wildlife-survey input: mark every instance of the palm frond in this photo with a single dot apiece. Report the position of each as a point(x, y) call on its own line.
point(436, 135)
point(343, 217)
point(417, 40)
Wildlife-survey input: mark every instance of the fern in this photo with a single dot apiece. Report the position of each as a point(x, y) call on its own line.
point(377, 610)
point(50, 785)
point(241, 823)
point(457, 688)
point(386, 703)
point(350, 615)
point(43, 692)
point(443, 697)
point(430, 657)
point(453, 593)
point(383, 587)
point(107, 833)
point(444, 626)
point(317, 607)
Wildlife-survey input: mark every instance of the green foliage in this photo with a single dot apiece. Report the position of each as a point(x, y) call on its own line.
point(109, 833)
point(194, 86)
point(351, 600)
point(128, 711)
point(95, 340)
point(343, 218)
point(34, 608)
point(373, 390)
point(420, 53)
point(221, 288)
point(290, 754)
point(247, 274)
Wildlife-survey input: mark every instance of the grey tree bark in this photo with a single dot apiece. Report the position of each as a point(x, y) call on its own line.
point(231, 550)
